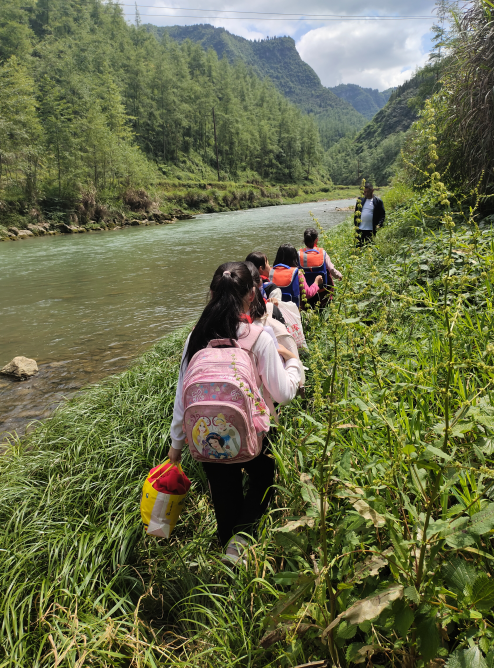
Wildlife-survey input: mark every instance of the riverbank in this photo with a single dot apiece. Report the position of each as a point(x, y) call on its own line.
point(171, 202)
point(391, 571)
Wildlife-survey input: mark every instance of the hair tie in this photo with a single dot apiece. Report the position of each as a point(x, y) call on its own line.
point(227, 273)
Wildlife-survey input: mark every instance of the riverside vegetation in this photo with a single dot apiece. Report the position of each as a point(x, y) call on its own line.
point(377, 549)
point(170, 201)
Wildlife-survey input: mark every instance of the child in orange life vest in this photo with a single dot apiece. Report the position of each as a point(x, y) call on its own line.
point(263, 313)
point(315, 261)
point(311, 237)
point(285, 275)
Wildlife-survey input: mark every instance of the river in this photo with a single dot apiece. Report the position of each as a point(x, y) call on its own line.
point(84, 306)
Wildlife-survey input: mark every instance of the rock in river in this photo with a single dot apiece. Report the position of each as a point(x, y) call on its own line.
point(21, 368)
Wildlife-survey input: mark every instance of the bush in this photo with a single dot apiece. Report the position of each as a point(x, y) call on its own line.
point(195, 198)
point(399, 194)
point(137, 200)
point(290, 192)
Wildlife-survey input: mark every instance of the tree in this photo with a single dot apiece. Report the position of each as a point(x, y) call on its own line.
point(311, 154)
point(16, 37)
point(20, 129)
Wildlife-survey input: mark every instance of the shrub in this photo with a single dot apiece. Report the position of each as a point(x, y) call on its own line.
point(290, 192)
point(137, 199)
point(195, 198)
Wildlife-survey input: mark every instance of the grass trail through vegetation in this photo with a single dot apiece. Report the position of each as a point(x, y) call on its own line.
point(378, 545)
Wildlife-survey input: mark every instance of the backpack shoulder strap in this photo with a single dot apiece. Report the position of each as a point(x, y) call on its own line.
point(247, 342)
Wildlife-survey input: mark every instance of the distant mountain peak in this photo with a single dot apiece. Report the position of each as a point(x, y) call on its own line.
point(367, 101)
point(275, 57)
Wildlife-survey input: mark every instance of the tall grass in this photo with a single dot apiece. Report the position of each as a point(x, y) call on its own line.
point(377, 548)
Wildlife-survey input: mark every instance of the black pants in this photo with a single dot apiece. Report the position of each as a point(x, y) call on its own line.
point(234, 511)
point(364, 237)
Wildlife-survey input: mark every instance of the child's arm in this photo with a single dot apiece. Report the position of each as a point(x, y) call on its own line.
point(332, 269)
point(311, 290)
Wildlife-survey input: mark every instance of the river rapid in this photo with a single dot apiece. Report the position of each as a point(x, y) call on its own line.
point(85, 306)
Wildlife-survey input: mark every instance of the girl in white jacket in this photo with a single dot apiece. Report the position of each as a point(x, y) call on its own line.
point(226, 316)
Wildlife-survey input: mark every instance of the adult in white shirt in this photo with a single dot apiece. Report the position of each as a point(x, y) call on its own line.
point(226, 316)
point(372, 216)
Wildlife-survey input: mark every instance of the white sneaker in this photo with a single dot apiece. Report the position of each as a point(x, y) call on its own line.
point(235, 551)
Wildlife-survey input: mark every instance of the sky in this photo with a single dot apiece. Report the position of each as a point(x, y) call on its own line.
point(372, 53)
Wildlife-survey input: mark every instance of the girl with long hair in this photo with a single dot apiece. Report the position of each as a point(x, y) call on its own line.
point(286, 264)
point(227, 316)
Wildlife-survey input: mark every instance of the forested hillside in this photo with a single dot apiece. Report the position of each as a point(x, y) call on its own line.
point(91, 107)
point(278, 59)
point(367, 101)
point(374, 151)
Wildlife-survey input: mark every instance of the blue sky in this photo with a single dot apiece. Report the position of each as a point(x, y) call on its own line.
point(376, 54)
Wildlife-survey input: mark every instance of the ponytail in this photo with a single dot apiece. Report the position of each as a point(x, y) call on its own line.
point(231, 283)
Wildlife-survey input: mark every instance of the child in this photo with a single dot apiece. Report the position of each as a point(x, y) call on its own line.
point(315, 261)
point(260, 261)
point(226, 316)
point(258, 280)
point(285, 275)
point(263, 314)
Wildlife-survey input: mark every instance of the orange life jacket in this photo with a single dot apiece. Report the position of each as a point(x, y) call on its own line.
point(313, 262)
point(286, 278)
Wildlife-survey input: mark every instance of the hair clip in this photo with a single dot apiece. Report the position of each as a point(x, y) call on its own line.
point(227, 273)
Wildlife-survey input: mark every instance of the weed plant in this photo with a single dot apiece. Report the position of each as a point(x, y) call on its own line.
point(377, 549)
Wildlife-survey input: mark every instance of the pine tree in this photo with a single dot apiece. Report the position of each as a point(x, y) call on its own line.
point(20, 129)
point(16, 36)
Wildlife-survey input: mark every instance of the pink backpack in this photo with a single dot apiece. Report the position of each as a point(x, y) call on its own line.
point(225, 416)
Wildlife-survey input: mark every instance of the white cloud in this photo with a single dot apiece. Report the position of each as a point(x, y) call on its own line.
point(371, 54)
point(375, 54)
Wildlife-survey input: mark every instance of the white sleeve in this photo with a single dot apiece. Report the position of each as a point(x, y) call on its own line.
point(271, 333)
point(281, 382)
point(176, 434)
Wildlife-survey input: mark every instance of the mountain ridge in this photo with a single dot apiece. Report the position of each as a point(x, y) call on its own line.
point(367, 101)
point(375, 152)
point(278, 59)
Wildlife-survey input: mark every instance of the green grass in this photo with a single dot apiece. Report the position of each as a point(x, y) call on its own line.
point(394, 444)
point(213, 196)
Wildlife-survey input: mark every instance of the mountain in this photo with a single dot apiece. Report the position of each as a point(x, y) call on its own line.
point(367, 101)
point(374, 152)
point(401, 110)
point(278, 59)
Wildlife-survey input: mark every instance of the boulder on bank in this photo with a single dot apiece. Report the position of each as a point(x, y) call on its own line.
point(181, 215)
point(69, 229)
point(23, 234)
point(162, 218)
point(20, 368)
point(36, 229)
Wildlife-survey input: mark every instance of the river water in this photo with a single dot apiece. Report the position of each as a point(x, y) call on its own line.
point(84, 306)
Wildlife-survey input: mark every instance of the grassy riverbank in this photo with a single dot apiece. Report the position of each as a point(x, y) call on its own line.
point(170, 201)
point(394, 442)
